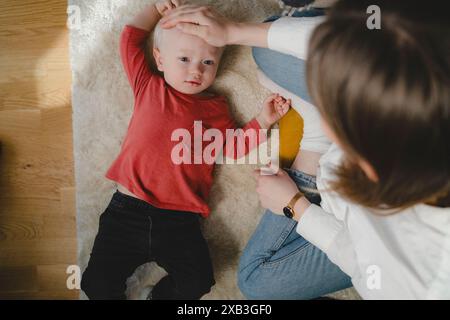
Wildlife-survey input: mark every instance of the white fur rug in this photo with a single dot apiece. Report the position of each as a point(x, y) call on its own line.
point(102, 105)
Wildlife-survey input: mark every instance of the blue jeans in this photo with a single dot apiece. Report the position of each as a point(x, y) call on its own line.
point(278, 263)
point(285, 70)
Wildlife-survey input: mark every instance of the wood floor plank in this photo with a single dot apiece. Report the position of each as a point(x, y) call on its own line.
point(18, 279)
point(38, 252)
point(45, 147)
point(68, 202)
point(41, 295)
point(29, 205)
point(35, 227)
point(37, 194)
point(52, 277)
point(32, 12)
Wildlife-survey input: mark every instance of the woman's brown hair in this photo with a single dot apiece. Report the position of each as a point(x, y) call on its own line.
point(385, 93)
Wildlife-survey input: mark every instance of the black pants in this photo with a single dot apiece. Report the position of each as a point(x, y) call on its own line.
point(131, 233)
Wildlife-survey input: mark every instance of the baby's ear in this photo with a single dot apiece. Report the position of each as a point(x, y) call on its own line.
point(158, 59)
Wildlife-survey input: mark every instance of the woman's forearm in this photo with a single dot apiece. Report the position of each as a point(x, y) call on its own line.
point(249, 34)
point(300, 208)
point(307, 162)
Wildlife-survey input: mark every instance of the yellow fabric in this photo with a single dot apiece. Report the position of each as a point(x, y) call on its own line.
point(291, 133)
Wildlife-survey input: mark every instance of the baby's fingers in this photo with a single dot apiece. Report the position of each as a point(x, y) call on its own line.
point(280, 103)
point(177, 3)
point(279, 98)
point(284, 109)
point(271, 98)
point(170, 5)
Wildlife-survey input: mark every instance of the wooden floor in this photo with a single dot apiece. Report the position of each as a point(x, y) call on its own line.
point(37, 195)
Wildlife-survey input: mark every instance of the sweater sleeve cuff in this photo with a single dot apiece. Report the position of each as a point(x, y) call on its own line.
point(132, 29)
point(291, 35)
point(253, 124)
point(261, 133)
point(319, 227)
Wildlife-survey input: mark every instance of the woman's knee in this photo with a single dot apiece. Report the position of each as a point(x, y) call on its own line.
point(285, 70)
point(248, 276)
point(262, 56)
point(252, 286)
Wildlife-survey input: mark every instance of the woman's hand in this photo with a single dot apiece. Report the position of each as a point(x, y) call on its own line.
point(200, 21)
point(275, 191)
point(274, 108)
point(165, 6)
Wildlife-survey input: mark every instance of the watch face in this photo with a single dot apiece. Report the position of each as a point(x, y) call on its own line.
point(288, 212)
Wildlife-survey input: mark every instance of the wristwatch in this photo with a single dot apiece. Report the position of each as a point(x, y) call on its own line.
point(289, 209)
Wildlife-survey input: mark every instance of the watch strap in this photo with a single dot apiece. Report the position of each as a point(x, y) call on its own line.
point(295, 199)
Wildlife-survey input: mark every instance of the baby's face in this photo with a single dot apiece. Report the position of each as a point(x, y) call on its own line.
point(189, 63)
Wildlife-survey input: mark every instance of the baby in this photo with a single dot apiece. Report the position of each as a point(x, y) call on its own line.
point(155, 214)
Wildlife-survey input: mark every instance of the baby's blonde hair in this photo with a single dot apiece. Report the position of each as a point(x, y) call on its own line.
point(157, 36)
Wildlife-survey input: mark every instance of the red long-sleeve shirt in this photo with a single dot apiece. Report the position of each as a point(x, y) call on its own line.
point(144, 165)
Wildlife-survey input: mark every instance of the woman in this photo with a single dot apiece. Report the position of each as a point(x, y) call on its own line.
point(384, 220)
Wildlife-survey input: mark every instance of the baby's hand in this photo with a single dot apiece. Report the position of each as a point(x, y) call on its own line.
point(164, 6)
point(274, 108)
